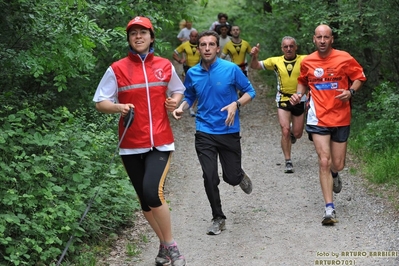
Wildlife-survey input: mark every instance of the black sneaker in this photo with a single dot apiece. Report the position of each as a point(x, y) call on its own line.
point(289, 168)
point(293, 138)
point(162, 258)
point(217, 226)
point(246, 184)
point(337, 184)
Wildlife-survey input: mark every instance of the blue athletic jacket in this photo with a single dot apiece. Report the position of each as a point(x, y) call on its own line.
point(215, 89)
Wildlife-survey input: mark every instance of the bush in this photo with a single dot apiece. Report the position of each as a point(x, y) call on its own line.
point(382, 128)
point(52, 164)
point(375, 134)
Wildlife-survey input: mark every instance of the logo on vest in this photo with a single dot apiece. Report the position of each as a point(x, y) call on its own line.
point(159, 74)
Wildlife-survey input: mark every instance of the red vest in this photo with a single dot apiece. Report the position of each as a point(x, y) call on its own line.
point(144, 84)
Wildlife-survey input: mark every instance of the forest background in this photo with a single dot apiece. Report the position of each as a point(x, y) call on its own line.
point(57, 150)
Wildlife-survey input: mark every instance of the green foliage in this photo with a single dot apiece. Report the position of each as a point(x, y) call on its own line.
point(375, 135)
point(379, 126)
point(51, 165)
point(66, 46)
point(52, 44)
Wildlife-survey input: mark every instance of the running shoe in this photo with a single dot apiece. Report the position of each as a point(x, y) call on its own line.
point(217, 226)
point(289, 168)
point(246, 184)
point(174, 254)
point(329, 216)
point(162, 258)
point(337, 184)
point(293, 138)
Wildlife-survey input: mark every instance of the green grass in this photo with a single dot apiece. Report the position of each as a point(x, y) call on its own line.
point(382, 168)
point(378, 161)
point(132, 250)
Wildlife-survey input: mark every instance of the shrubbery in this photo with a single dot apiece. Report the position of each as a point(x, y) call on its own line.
point(375, 135)
point(51, 166)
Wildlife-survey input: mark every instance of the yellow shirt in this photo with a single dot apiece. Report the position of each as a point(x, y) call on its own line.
point(237, 51)
point(191, 51)
point(287, 72)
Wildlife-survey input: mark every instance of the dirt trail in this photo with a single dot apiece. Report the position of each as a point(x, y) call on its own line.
point(280, 222)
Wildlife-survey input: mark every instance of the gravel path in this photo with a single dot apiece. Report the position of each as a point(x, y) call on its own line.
point(280, 222)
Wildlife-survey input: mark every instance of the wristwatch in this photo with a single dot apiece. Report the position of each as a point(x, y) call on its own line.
point(353, 92)
point(238, 105)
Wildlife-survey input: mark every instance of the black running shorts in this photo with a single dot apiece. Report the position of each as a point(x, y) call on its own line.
point(338, 134)
point(295, 110)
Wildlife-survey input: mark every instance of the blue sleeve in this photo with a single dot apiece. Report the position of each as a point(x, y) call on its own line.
point(189, 93)
point(243, 83)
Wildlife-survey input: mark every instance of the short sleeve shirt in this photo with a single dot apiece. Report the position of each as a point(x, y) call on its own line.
point(324, 76)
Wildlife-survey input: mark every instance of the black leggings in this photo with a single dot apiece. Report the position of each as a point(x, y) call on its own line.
point(147, 172)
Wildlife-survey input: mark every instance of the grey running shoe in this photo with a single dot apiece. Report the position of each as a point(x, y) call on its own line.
point(217, 226)
point(329, 216)
point(293, 138)
point(246, 184)
point(162, 258)
point(175, 256)
point(289, 168)
point(337, 184)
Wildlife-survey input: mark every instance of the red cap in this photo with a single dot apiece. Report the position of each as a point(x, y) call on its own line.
point(142, 21)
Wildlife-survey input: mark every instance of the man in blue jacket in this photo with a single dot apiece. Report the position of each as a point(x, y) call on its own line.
point(213, 82)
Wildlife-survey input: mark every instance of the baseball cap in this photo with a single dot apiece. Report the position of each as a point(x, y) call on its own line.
point(142, 21)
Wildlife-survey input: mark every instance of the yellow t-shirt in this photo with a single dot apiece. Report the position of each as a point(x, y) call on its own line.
point(191, 51)
point(287, 72)
point(237, 51)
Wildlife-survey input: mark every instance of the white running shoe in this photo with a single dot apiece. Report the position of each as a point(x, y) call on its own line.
point(329, 216)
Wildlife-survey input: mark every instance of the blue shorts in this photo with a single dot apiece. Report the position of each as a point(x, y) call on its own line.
point(338, 134)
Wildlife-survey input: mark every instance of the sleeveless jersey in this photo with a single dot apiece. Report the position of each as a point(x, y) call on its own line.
point(147, 80)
